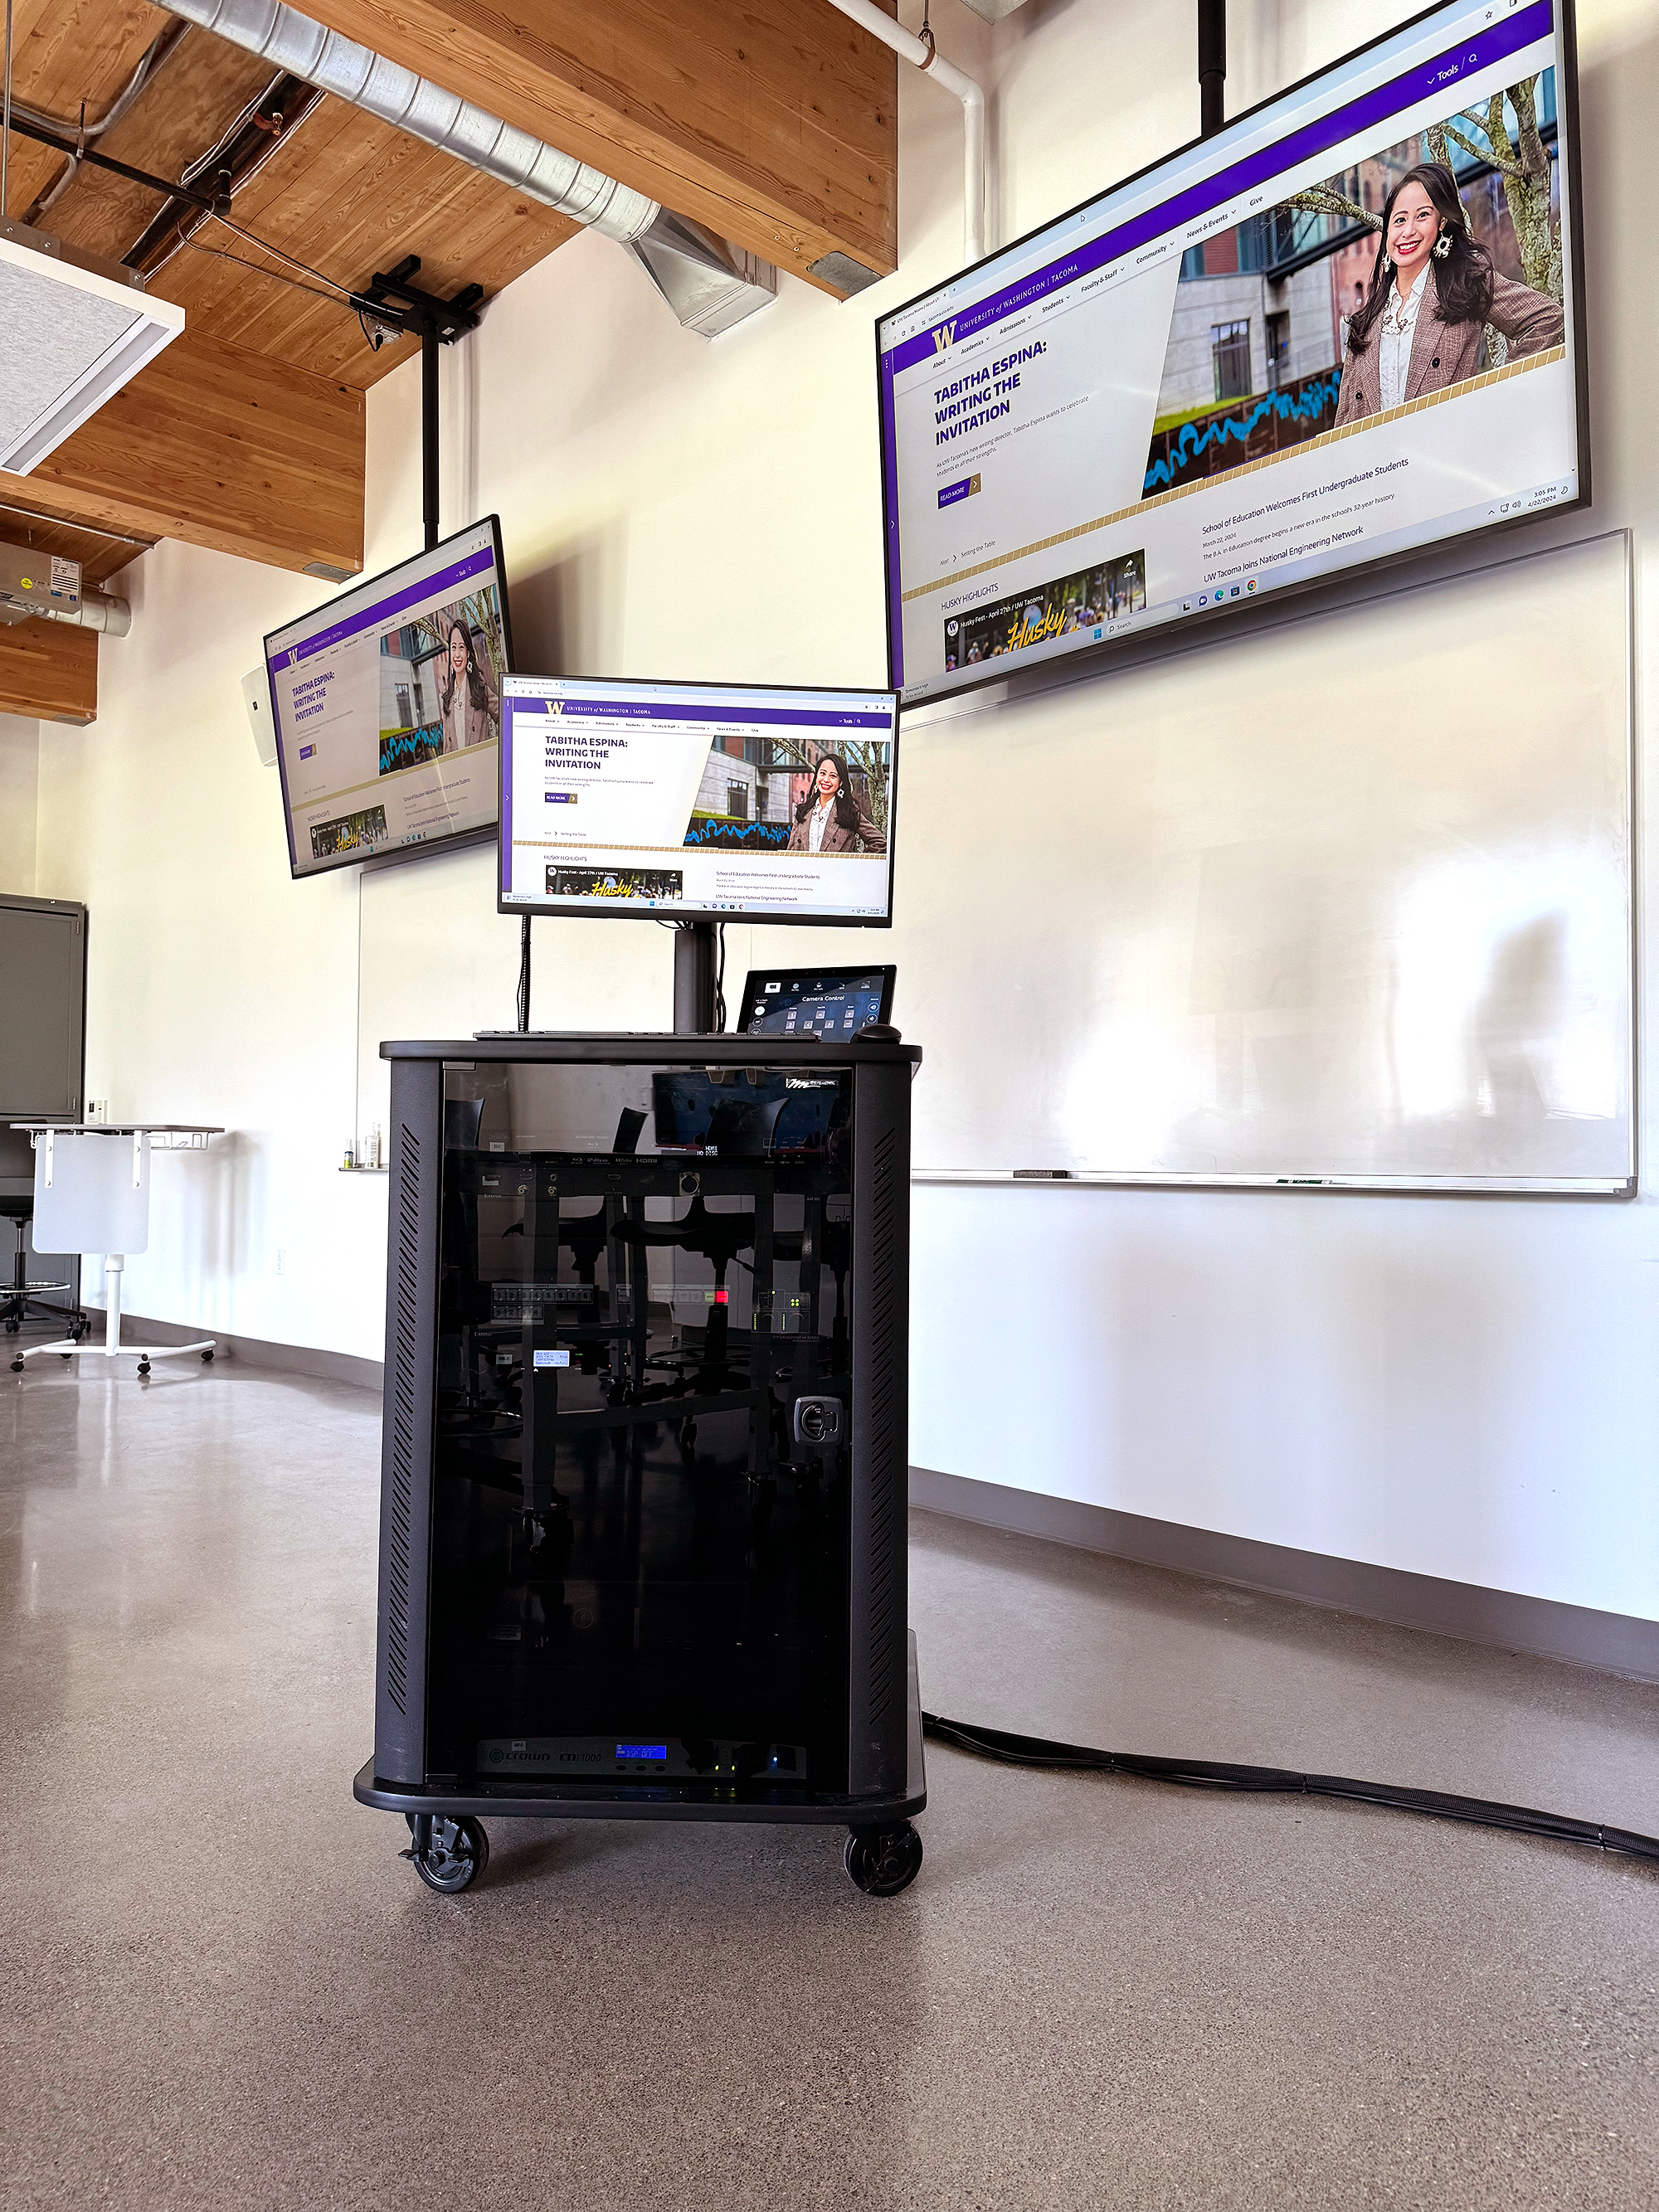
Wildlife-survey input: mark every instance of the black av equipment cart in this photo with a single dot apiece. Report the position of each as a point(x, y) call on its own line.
point(644, 1475)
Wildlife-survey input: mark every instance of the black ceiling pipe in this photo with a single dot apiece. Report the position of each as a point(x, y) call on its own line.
point(59, 144)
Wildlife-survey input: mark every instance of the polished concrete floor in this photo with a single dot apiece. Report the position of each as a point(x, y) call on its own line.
point(220, 1985)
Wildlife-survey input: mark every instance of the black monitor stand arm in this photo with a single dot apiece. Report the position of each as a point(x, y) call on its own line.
point(694, 979)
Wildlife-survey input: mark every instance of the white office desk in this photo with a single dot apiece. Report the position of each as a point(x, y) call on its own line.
point(92, 1194)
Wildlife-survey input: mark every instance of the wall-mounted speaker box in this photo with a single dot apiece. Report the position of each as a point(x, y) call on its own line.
point(256, 697)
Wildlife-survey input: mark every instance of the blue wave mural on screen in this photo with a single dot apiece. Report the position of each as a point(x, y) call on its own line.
point(735, 836)
point(1308, 403)
point(407, 748)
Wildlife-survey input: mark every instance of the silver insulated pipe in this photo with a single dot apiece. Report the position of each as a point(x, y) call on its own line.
point(293, 42)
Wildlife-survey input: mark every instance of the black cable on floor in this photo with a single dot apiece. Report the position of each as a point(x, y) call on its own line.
point(1202, 1774)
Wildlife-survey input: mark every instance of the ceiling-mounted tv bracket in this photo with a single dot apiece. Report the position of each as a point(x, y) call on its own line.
point(436, 323)
point(1212, 66)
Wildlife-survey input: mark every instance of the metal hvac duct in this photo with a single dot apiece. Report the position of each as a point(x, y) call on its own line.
point(719, 284)
point(36, 585)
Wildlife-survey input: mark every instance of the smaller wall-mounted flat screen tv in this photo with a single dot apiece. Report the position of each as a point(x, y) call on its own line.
point(1207, 386)
point(387, 708)
point(697, 801)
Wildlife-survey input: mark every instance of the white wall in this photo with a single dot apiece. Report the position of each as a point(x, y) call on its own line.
point(20, 786)
point(1463, 1388)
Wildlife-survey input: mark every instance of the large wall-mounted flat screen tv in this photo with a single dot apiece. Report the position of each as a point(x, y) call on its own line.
point(387, 708)
point(697, 801)
point(1206, 387)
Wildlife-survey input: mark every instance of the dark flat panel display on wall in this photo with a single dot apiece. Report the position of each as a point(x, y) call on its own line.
point(43, 993)
point(1345, 329)
point(386, 704)
point(42, 1001)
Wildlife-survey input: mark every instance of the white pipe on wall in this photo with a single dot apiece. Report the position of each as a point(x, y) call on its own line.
point(908, 47)
point(97, 611)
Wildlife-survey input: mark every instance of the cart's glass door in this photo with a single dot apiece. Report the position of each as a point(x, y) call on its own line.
point(640, 1526)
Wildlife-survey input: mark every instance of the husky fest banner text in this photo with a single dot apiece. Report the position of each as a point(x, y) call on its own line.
point(615, 883)
point(1086, 600)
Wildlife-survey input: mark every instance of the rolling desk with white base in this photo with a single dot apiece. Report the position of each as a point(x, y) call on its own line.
point(92, 1193)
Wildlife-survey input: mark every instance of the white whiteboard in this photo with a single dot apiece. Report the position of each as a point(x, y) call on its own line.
point(1349, 900)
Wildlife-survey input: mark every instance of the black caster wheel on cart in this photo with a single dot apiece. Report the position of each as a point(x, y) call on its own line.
point(17, 1364)
point(207, 1359)
point(143, 1365)
point(453, 1855)
point(884, 1860)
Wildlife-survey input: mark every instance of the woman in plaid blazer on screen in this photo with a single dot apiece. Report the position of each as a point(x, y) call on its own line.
point(1435, 295)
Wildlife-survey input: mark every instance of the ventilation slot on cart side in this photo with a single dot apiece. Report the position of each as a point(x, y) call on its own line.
point(403, 1427)
point(886, 1622)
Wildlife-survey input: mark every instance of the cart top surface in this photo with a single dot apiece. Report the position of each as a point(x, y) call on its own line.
point(657, 1047)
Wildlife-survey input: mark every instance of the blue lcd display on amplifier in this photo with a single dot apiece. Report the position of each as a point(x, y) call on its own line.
point(641, 1751)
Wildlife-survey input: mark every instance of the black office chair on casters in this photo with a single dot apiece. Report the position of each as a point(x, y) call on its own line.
point(23, 1299)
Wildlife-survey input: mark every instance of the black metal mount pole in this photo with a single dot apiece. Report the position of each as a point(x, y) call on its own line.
point(1212, 66)
point(436, 323)
point(429, 434)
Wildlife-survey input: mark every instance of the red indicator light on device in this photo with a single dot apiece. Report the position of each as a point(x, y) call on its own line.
point(722, 1298)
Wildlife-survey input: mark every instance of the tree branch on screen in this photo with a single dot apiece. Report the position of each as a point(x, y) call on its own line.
point(1522, 161)
point(1321, 199)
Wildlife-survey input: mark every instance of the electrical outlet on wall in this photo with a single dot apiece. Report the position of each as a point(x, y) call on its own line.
point(97, 1110)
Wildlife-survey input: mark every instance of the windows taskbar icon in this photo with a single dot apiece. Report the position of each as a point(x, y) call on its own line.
point(1222, 592)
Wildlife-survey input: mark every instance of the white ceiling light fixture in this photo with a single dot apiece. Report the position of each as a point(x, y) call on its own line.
point(77, 329)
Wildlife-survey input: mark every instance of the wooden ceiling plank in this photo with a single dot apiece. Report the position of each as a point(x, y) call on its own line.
point(48, 671)
point(67, 51)
point(373, 194)
point(345, 194)
point(706, 106)
point(203, 85)
point(221, 447)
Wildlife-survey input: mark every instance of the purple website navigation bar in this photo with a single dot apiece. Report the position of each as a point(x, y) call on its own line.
point(619, 710)
point(384, 612)
point(1523, 28)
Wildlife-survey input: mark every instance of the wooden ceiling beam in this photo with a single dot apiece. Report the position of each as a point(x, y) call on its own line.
point(102, 553)
point(48, 671)
point(771, 121)
point(221, 447)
